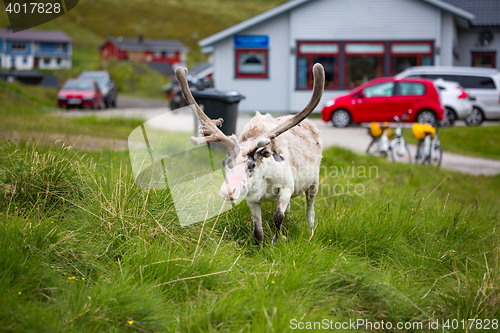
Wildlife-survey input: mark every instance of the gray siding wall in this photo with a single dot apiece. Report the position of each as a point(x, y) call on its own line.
point(448, 41)
point(468, 42)
point(266, 95)
point(381, 20)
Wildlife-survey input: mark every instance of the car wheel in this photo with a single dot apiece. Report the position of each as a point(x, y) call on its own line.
point(450, 118)
point(427, 117)
point(341, 118)
point(475, 118)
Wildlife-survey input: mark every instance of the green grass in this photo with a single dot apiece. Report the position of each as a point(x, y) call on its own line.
point(421, 243)
point(481, 141)
point(84, 249)
point(30, 109)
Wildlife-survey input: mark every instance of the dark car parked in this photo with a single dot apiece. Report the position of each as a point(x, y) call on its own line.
point(106, 85)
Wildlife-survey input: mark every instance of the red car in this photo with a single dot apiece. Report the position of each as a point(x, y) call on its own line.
point(382, 99)
point(80, 93)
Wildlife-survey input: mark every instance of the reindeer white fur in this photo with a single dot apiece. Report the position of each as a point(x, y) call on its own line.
point(272, 160)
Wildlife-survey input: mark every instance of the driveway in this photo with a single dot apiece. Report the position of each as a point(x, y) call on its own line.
point(353, 138)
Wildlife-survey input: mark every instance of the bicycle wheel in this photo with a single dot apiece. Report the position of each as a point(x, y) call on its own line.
point(400, 153)
point(420, 158)
point(437, 156)
point(372, 148)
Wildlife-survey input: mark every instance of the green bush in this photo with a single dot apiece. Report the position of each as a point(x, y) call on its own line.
point(32, 180)
point(136, 79)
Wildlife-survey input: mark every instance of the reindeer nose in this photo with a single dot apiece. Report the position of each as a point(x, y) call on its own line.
point(230, 192)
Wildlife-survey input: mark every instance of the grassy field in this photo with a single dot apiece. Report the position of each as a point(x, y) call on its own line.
point(82, 248)
point(480, 141)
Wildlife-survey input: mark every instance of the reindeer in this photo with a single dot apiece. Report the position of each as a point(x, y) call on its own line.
point(275, 159)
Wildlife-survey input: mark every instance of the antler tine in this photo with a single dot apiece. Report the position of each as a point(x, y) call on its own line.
point(318, 86)
point(208, 126)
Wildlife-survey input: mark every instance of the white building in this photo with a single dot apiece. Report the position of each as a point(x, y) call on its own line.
point(29, 49)
point(268, 58)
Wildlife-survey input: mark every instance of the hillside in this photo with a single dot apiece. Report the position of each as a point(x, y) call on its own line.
point(91, 22)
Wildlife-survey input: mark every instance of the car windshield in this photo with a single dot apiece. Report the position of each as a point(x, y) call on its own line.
point(101, 80)
point(79, 85)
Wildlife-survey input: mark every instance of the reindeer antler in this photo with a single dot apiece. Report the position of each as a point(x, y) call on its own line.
point(208, 126)
point(318, 86)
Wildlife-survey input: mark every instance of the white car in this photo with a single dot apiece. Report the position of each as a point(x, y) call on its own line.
point(482, 84)
point(455, 100)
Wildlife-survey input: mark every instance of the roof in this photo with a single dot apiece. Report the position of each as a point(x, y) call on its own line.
point(487, 12)
point(157, 45)
point(161, 67)
point(202, 69)
point(294, 4)
point(54, 36)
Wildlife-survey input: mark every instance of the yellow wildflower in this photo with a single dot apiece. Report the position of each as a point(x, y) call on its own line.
point(130, 322)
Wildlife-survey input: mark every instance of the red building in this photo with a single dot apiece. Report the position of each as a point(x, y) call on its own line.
point(172, 52)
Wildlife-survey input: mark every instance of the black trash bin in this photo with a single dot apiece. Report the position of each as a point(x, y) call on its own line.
point(220, 104)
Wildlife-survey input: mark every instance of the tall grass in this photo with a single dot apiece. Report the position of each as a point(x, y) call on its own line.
point(113, 257)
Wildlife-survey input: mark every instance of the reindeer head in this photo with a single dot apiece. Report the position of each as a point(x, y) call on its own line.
point(243, 159)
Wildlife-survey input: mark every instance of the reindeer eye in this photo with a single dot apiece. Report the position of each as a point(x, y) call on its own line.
point(250, 163)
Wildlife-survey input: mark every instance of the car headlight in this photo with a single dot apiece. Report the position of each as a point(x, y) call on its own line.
point(329, 103)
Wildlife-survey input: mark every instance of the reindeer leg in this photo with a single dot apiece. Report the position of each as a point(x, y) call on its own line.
point(310, 196)
point(257, 221)
point(283, 202)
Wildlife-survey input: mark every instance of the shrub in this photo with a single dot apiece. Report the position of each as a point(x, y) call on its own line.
point(34, 180)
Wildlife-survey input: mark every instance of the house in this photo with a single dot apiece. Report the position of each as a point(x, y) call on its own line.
point(172, 52)
point(29, 49)
point(269, 57)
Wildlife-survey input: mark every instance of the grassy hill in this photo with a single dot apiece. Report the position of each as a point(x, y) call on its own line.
point(92, 21)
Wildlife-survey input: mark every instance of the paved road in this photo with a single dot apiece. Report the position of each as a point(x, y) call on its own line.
point(354, 138)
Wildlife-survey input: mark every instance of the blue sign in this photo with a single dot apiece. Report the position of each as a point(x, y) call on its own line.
point(251, 41)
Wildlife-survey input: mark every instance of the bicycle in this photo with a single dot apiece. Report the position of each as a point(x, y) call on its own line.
point(379, 146)
point(429, 148)
point(399, 149)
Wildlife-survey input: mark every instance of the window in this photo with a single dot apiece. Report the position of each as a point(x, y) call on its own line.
point(25, 60)
point(410, 89)
point(363, 62)
point(407, 54)
point(309, 53)
point(18, 46)
point(59, 61)
point(37, 46)
point(483, 59)
point(59, 47)
point(46, 61)
point(251, 63)
point(466, 81)
point(476, 82)
point(381, 89)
